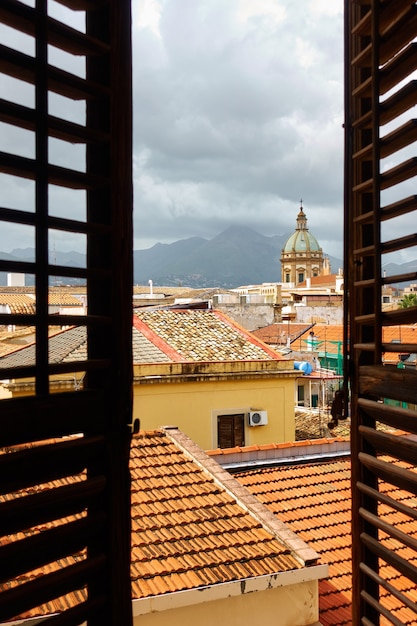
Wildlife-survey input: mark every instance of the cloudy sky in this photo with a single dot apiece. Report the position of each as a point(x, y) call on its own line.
point(238, 113)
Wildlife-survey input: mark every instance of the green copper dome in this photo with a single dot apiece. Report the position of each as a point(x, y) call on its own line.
point(302, 240)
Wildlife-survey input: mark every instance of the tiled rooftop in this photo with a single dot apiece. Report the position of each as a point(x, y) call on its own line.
point(71, 345)
point(61, 345)
point(330, 336)
point(18, 303)
point(268, 454)
point(198, 335)
point(278, 333)
point(193, 525)
point(61, 298)
point(188, 531)
point(144, 351)
point(16, 339)
point(314, 501)
point(23, 303)
point(161, 336)
point(325, 334)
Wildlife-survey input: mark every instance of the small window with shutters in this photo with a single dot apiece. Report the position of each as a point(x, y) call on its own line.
point(231, 430)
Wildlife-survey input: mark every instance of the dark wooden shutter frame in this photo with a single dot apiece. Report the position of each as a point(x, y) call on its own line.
point(67, 453)
point(380, 56)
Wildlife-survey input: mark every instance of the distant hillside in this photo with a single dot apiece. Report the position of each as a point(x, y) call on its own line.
point(237, 256)
point(159, 259)
point(393, 269)
point(67, 259)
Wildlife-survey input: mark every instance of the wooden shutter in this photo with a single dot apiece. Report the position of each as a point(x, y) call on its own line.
point(65, 486)
point(231, 430)
point(380, 217)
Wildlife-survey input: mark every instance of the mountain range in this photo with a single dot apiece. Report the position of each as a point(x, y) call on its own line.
point(237, 256)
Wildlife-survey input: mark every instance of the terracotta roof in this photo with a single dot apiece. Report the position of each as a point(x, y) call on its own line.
point(144, 351)
point(334, 332)
point(60, 346)
point(160, 336)
point(62, 298)
point(22, 303)
point(71, 345)
point(397, 334)
point(299, 333)
point(188, 531)
point(18, 303)
point(314, 500)
point(279, 333)
point(325, 335)
point(330, 336)
point(269, 454)
point(193, 525)
point(69, 600)
point(201, 335)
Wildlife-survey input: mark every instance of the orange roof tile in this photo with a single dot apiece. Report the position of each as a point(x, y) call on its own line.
point(193, 525)
point(23, 303)
point(278, 334)
point(18, 303)
point(329, 337)
point(314, 500)
point(200, 534)
point(59, 298)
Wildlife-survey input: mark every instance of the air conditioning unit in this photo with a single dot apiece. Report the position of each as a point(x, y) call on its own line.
point(258, 418)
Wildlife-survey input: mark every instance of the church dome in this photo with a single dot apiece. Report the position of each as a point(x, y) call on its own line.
point(301, 240)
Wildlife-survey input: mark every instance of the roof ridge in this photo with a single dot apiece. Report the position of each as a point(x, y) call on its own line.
point(299, 549)
point(277, 446)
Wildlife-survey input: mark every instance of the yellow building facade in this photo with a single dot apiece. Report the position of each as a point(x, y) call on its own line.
point(211, 402)
point(196, 370)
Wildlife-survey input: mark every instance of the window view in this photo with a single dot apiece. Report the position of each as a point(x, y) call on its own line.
point(190, 399)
